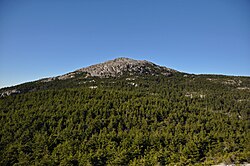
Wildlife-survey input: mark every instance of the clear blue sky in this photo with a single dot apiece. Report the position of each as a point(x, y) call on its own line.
point(43, 38)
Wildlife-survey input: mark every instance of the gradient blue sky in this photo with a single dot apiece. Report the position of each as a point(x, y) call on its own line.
point(43, 38)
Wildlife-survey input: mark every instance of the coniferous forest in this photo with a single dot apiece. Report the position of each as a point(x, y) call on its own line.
point(183, 119)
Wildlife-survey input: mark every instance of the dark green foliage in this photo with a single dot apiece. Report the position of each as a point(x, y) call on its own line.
point(156, 122)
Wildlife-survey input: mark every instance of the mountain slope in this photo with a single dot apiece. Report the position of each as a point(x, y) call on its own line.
point(110, 114)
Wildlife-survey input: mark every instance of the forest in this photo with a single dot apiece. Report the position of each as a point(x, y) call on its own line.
point(184, 119)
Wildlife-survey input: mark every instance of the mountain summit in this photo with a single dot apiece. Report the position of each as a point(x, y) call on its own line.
point(120, 66)
point(113, 68)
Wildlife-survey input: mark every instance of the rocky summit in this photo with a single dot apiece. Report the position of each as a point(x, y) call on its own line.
point(113, 68)
point(120, 66)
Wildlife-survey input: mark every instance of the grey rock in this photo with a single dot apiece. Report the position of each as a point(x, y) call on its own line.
point(120, 66)
point(9, 92)
point(116, 68)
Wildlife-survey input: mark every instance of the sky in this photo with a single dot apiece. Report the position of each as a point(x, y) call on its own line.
point(44, 38)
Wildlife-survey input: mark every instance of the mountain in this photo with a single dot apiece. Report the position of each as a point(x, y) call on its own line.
point(119, 67)
point(126, 112)
point(113, 68)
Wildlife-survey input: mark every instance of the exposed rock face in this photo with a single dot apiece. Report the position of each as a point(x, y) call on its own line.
point(116, 68)
point(9, 92)
point(62, 77)
point(120, 66)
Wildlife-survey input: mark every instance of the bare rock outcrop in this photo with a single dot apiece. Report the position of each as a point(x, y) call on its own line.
point(120, 66)
point(9, 92)
point(116, 68)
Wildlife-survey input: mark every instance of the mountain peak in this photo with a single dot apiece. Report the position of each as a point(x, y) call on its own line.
point(122, 65)
point(126, 60)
